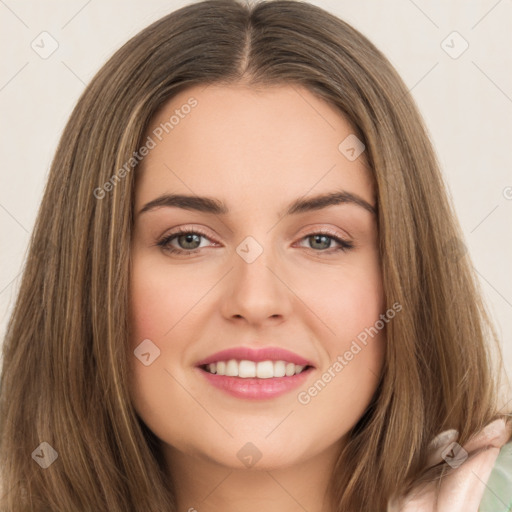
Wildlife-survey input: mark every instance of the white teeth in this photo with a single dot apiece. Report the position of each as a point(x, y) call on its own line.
point(250, 369)
point(280, 368)
point(247, 369)
point(232, 368)
point(265, 370)
point(290, 369)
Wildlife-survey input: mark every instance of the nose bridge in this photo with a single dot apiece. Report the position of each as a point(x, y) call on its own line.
point(252, 262)
point(256, 292)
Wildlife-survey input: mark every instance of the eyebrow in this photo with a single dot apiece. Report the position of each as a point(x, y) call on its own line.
point(301, 205)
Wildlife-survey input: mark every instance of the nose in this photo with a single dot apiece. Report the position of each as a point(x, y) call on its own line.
point(256, 290)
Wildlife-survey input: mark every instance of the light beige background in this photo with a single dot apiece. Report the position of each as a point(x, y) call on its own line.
point(466, 102)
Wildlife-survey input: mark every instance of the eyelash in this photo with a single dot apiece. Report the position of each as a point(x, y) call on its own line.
point(164, 243)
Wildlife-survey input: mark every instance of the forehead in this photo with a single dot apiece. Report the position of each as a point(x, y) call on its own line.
point(237, 141)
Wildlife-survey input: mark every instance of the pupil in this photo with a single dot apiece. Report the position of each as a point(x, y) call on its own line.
point(317, 239)
point(189, 238)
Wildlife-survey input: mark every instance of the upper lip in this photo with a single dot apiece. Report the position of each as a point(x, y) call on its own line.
point(256, 354)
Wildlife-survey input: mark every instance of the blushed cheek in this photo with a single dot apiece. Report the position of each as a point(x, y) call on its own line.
point(165, 297)
point(148, 322)
point(360, 360)
point(142, 312)
point(154, 303)
point(351, 309)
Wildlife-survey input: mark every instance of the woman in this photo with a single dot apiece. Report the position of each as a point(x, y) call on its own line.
point(244, 292)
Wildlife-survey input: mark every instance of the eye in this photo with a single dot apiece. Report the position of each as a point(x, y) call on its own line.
point(189, 241)
point(320, 241)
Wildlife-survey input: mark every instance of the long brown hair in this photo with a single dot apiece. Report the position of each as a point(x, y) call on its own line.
point(65, 356)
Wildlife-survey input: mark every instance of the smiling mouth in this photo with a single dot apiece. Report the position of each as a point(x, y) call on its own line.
point(246, 369)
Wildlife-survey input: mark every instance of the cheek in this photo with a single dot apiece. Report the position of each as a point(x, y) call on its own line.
point(341, 394)
point(347, 299)
point(155, 313)
point(147, 299)
point(159, 302)
point(354, 356)
point(350, 303)
point(159, 299)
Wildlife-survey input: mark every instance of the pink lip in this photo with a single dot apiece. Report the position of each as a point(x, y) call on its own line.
point(253, 354)
point(256, 389)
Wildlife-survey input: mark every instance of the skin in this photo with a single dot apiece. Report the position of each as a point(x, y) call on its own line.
point(257, 150)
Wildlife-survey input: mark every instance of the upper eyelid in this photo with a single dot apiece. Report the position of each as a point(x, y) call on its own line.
point(186, 230)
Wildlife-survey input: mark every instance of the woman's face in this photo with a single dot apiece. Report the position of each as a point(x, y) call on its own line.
point(260, 273)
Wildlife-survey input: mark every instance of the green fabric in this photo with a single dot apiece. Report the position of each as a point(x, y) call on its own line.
point(498, 492)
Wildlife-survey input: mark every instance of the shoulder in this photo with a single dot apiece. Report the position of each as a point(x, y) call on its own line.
point(498, 489)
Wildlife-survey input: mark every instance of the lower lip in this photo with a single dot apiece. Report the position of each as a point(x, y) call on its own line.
point(256, 389)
